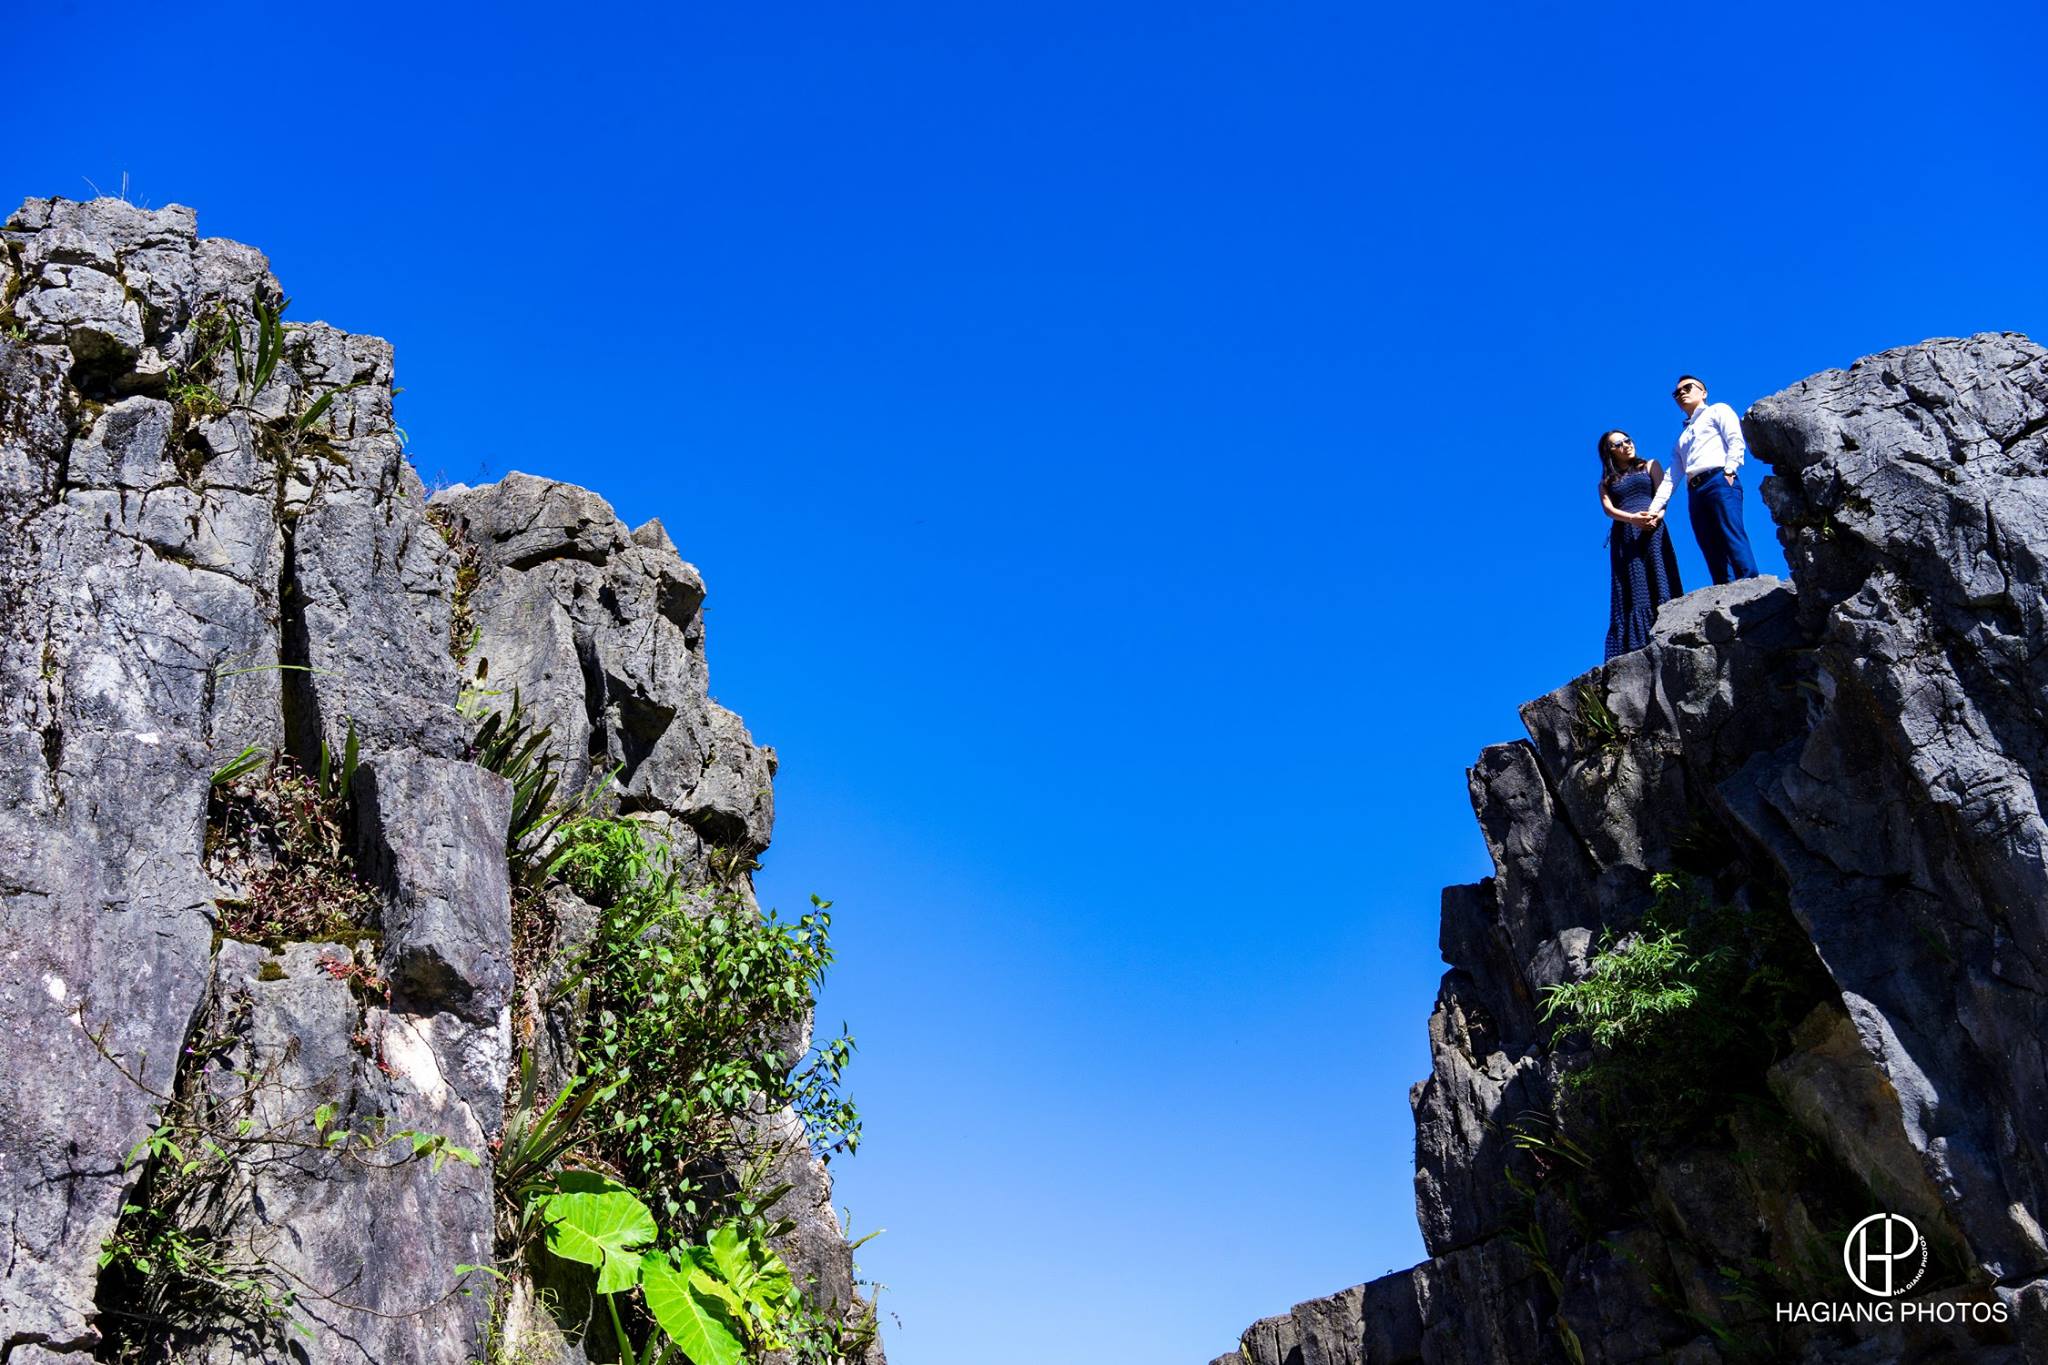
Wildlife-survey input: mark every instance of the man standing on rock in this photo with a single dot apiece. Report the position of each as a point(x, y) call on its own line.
point(1708, 452)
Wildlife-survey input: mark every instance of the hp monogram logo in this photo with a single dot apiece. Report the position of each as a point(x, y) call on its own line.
point(1876, 1251)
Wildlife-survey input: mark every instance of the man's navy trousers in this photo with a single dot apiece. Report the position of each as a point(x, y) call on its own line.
point(1716, 508)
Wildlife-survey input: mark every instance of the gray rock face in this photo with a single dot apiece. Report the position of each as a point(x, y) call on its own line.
point(1910, 488)
point(366, 1238)
point(184, 575)
point(1858, 756)
point(447, 916)
point(598, 631)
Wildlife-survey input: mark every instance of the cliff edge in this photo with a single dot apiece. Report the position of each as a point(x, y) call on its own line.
point(327, 815)
point(1765, 947)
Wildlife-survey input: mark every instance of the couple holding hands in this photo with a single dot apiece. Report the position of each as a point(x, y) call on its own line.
point(1633, 491)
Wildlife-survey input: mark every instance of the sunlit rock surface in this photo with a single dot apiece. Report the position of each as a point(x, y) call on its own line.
point(178, 584)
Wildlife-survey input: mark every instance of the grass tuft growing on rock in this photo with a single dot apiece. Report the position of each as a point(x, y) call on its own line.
point(463, 631)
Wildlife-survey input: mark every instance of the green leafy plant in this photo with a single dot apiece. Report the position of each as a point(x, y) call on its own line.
point(1686, 1012)
point(1539, 1135)
point(597, 1222)
point(463, 630)
point(1632, 984)
point(513, 745)
point(712, 1302)
point(172, 1267)
point(691, 993)
point(333, 780)
point(247, 761)
point(838, 1335)
point(318, 408)
point(253, 370)
point(256, 338)
point(194, 397)
point(186, 386)
point(179, 1276)
point(736, 1269)
point(537, 1134)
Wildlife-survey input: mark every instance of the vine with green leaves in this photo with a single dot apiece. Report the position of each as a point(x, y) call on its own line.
point(181, 1263)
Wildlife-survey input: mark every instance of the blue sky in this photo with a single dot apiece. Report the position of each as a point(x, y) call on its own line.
point(1139, 455)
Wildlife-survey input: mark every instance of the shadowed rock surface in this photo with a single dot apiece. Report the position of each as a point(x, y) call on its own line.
point(1851, 766)
point(182, 579)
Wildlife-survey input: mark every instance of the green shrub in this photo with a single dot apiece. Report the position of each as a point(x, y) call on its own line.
point(1686, 1012)
point(1633, 986)
point(690, 993)
point(653, 1165)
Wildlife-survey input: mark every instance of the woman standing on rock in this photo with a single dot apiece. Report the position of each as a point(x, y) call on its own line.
point(1633, 491)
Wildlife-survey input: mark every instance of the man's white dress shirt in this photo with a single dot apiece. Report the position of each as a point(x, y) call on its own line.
point(1712, 439)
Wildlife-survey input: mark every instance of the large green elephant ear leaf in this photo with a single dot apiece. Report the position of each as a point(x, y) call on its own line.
point(774, 1288)
point(599, 1223)
point(694, 1318)
point(754, 1271)
point(729, 1256)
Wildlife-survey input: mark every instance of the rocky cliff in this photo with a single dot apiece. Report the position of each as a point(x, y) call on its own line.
point(1787, 865)
point(268, 952)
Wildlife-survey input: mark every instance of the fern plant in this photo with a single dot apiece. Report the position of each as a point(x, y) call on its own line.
point(1686, 1012)
point(1632, 985)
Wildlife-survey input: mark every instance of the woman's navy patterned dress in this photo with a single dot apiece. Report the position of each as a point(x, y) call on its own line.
point(1644, 566)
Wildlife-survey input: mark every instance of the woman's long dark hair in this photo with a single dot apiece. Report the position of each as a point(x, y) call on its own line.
point(1610, 466)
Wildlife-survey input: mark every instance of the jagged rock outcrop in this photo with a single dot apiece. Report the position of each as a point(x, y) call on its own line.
point(1852, 765)
point(185, 574)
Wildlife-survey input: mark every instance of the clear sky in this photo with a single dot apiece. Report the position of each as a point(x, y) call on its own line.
point(1139, 454)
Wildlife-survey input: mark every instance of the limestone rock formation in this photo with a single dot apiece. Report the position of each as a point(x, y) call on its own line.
point(212, 544)
point(1849, 769)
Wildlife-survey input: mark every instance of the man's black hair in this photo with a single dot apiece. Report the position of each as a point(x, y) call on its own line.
point(1693, 377)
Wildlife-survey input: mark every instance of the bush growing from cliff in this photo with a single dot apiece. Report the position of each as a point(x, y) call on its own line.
point(713, 1303)
point(696, 998)
point(1688, 1010)
point(698, 1005)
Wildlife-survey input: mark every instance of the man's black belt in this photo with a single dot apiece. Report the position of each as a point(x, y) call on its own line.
point(1693, 481)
